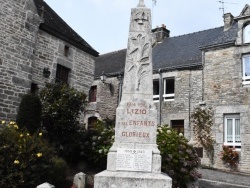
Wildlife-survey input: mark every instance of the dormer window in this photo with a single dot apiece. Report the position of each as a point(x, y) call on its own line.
point(246, 69)
point(246, 34)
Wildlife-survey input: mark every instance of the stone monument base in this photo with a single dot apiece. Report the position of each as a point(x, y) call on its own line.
point(125, 179)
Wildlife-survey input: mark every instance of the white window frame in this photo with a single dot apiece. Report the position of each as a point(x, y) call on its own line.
point(245, 79)
point(168, 97)
point(156, 98)
point(246, 34)
point(235, 129)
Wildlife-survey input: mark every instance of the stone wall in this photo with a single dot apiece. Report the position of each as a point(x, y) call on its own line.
point(106, 100)
point(188, 94)
point(225, 94)
point(50, 52)
point(26, 51)
point(19, 27)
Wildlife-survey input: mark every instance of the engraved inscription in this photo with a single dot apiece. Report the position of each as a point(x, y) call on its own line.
point(134, 159)
point(136, 111)
point(138, 123)
point(135, 134)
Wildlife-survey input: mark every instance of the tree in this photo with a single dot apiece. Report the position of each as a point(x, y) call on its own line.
point(29, 113)
point(61, 110)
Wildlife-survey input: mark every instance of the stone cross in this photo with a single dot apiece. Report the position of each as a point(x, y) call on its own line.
point(141, 4)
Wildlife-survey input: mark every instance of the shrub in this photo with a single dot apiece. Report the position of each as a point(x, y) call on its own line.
point(29, 113)
point(98, 143)
point(27, 160)
point(61, 109)
point(179, 160)
point(230, 157)
point(202, 122)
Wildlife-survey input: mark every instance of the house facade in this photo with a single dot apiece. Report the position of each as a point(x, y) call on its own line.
point(208, 69)
point(37, 46)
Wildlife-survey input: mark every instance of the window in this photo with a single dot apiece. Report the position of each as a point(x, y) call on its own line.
point(34, 88)
point(168, 94)
point(92, 121)
point(66, 51)
point(62, 74)
point(168, 89)
point(178, 126)
point(92, 94)
point(232, 136)
point(246, 69)
point(246, 34)
point(156, 90)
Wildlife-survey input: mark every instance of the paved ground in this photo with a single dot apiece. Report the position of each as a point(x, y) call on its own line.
point(220, 179)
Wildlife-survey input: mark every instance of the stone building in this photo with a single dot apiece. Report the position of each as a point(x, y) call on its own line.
point(37, 46)
point(208, 68)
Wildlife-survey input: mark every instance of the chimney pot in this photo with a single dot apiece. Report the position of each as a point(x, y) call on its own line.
point(228, 21)
point(160, 33)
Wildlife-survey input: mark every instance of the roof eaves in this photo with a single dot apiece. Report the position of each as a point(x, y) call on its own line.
point(55, 33)
point(241, 17)
point(192, 66)
point(110, 74)
point(224, 44)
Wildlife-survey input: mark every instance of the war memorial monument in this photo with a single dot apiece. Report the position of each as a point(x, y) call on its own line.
point(134, 160)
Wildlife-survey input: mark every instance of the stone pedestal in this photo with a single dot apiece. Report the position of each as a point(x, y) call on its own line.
point(108, 179)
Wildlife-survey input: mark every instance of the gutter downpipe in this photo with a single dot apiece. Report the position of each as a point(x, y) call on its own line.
point(189, 104)
point(160, 96)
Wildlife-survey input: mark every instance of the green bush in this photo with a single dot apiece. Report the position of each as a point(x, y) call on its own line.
point(27, 160)
point(61, 109)
point(179, 160)
point(98, 143)
point(29, 113)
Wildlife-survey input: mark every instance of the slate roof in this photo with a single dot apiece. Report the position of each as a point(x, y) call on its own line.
point(56, 26)
point(180, 52)
point(112, 63)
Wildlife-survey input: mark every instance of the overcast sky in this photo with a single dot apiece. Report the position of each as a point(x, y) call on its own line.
point(104, 24)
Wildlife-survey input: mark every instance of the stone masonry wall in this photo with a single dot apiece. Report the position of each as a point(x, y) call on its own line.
point(50, 52)
point(188, 94)
point(106, 103)
point(26, 51)
point(19, 23)
point(108, 98)
point(225, 94)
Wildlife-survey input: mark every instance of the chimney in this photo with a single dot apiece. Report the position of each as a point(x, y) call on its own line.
point(160, 33)
point(228, 21)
